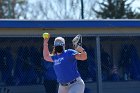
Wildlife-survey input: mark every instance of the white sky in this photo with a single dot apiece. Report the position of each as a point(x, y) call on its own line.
point(136, 4)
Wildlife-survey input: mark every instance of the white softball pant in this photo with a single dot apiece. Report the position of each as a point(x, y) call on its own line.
point(77, 87)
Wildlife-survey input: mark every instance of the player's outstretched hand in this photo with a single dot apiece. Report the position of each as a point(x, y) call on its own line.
point(46, 36)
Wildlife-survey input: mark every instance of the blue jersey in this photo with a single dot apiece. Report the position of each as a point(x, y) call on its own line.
point(65, 66)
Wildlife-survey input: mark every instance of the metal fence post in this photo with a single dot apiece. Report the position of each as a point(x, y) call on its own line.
point(98, 58)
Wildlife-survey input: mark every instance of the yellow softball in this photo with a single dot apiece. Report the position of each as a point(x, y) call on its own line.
point(46, 35)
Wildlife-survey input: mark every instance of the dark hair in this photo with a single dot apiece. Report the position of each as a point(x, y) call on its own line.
point(53, 51)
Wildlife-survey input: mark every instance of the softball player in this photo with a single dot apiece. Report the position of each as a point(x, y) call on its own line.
point(65, 65)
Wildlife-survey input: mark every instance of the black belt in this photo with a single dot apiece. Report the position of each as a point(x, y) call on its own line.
point(69, 83)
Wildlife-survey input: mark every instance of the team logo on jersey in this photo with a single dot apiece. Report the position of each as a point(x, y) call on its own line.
point(58, 61)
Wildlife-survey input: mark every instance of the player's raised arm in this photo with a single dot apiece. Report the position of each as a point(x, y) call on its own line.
point(77, 44)
point(46, 53)
point(82, 55)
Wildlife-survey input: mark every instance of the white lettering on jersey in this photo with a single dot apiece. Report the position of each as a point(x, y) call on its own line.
point(58, 61)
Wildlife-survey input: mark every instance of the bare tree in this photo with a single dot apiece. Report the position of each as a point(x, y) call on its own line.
point(7, 8)
point(46, 9)
point(1, 11)
point(56, 9)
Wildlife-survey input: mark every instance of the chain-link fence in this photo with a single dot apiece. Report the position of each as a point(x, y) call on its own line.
point(22, 63)
point(120, 58)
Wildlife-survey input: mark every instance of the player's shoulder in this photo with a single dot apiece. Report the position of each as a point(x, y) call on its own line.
point(71, 50)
